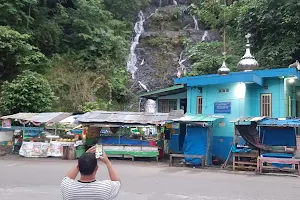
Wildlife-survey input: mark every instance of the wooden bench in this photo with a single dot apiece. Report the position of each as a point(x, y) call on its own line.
point(186, 156)
point(289, 161)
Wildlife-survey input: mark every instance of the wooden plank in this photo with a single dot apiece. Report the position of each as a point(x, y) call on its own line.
point(172, 156)
point(186, 156)
point(245, 167)
point(279, 160)
point(245, 163)
point(246, 155)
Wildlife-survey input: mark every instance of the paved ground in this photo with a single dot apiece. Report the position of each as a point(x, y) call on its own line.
point(35, 179)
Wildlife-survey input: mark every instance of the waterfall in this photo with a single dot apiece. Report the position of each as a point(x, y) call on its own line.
point(139, 30)
point(174, 2)
point(143, 86)
point(196, 27)
point(150, 106)
point(205, 35)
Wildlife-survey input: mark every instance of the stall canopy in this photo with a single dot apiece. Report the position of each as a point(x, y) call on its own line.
point(247, 127)
point(19, 116)
point(47, 117)
point(70, 120)
point(197, 118)
point(128, 117)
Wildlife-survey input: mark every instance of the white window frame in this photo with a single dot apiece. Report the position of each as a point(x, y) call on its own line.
point(199, 105)
point(266, 105)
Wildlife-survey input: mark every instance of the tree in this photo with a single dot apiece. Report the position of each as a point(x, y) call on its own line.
point(29, 92)
point(16, 54)
point(125, 9)
point(274, 25)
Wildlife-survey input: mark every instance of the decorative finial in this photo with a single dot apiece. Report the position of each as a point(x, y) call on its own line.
point(248, 36)
point(223, 70)
point(247, 62)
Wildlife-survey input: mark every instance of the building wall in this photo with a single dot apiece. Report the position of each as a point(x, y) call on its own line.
point(178, 96)
point(245, 101)
point(277, 88)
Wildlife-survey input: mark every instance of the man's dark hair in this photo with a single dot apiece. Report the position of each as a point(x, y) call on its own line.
point(87, 164)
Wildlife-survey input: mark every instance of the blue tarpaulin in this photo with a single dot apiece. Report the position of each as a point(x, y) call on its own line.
point(278, 155)
point(122, 141)
point(240, 150)
point(276, 136)
point(195, 144)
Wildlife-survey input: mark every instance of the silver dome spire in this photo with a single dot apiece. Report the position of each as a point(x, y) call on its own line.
point(247, 62)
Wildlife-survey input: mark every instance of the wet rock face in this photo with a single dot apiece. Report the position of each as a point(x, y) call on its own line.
point(163, 3)
point(161, 48)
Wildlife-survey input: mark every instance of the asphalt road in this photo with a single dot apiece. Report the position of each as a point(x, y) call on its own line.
point(35, 179)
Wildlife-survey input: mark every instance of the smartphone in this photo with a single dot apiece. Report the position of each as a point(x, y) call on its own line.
point(99, 150)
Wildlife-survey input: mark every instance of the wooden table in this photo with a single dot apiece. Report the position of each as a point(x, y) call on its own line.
point(239, 164)
point(290, 161)
point(186, 156)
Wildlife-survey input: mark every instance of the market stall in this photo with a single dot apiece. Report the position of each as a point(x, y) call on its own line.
point(124, 134)
point(33, 138)
point(275, 140)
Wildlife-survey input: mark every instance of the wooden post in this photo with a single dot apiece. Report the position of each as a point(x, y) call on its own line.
point(170, 161)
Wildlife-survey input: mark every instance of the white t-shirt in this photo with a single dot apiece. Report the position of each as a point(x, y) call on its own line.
point(95, 190)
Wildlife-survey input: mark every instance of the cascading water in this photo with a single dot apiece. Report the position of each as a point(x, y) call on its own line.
point(132, 59)
point(205, 36)
point(174, 2)
point(196, 26)
point(150, 105)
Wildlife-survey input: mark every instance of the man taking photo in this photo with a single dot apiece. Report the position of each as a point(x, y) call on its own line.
point(87, 187)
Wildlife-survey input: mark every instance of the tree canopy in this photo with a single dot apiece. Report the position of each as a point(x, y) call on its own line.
point(29, 92)
point(80, 47)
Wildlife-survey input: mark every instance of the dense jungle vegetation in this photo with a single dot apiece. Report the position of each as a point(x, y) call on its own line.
point(70, 55)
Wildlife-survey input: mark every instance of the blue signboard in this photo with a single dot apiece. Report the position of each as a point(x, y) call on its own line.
point(222, 107)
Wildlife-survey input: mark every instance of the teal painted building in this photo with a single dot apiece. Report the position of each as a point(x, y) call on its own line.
point(271, 93)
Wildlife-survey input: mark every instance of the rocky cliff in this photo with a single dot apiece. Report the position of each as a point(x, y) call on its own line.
point(158, 46)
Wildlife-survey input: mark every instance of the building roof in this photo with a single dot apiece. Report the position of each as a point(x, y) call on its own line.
point(198, 118)
point(164, 92)
point(234, 77)
point(19, 116)
point(47, 117)
point(128, 117)
point(264, 121)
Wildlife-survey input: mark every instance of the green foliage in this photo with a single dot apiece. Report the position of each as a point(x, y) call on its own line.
point(276, 36)
point(29, 92)
point(207, 59)
point(16, 54)
point(124, 9)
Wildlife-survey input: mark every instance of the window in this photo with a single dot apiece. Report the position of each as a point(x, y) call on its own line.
point(199, 105)
point(223, 90)
point(172, 105)
point(167, 105)
point(266, 105)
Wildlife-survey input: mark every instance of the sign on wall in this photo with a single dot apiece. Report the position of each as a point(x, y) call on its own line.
point(222, 107)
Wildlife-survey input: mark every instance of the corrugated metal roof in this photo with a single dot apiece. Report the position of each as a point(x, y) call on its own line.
point(280, 122)
point(21, 116)
point(247, 119)
point(49, 117)
point(198, 118)
point(264, 121)
point(163, 92)
point(127, 117)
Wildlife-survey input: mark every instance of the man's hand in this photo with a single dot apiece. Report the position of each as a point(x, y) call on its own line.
point(104, 158)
